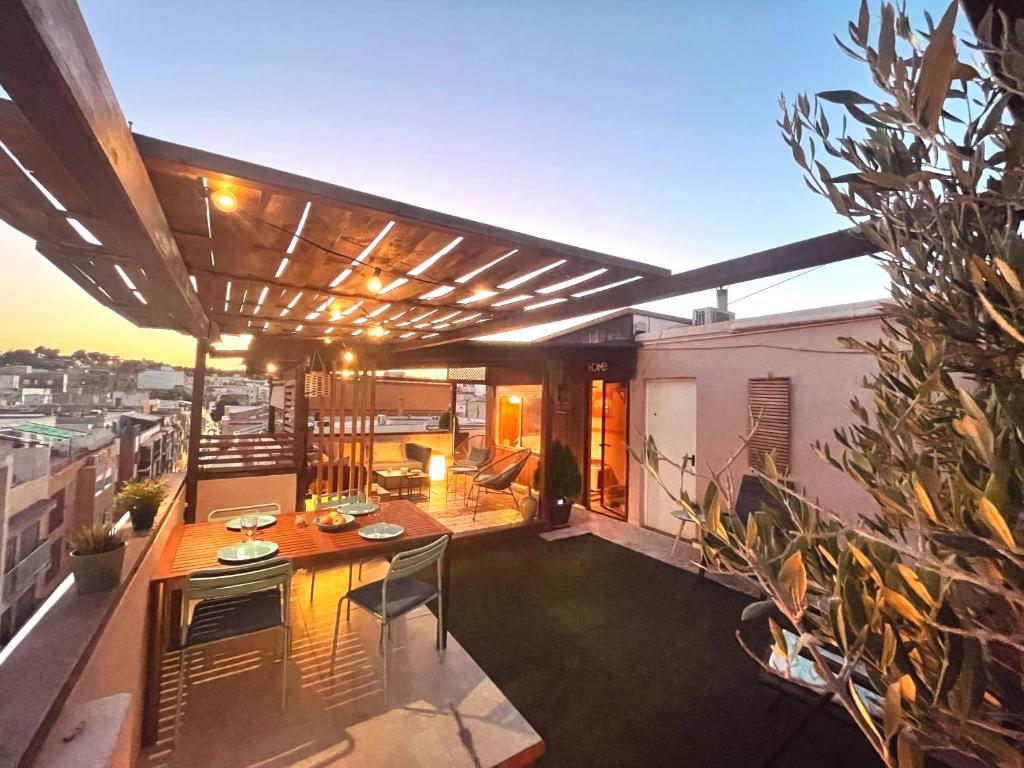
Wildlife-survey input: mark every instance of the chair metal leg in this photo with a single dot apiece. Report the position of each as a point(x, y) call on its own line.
point(440, 618)
point(385, 637)
point(678, 536)
point(312, 582)
point(510, 493)
point(348, 608)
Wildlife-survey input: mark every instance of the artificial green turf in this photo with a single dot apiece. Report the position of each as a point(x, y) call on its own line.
point(617, 659)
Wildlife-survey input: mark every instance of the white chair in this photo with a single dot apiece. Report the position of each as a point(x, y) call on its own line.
point(234, 602)
point(396, 594)
point(270, 508)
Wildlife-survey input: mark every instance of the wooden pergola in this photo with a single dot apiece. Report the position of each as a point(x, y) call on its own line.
point(179, 238)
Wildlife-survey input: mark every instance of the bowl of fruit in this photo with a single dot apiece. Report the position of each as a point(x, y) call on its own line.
point(332, 520)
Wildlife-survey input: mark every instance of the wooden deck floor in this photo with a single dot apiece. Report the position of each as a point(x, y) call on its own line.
point(450, 508)
point(433, 709)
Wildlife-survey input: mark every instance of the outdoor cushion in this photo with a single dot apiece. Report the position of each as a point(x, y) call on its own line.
point(223, 617)
point(419, 453)
point(403, 596)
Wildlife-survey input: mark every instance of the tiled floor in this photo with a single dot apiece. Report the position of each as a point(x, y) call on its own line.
point(437, 709)
point(451, 508)
point(642, 540)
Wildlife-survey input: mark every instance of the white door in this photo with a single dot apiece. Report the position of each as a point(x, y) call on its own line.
point(672, 421)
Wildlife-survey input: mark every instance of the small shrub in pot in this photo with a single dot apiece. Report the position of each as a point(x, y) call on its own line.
point(141, 499)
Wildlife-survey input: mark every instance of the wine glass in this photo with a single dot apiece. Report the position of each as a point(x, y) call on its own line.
point(248, 523)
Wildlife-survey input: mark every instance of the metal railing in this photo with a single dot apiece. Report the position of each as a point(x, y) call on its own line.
point(25, 572)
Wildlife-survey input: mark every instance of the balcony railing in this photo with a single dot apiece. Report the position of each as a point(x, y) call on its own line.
point(230, 454)
point(25, 572)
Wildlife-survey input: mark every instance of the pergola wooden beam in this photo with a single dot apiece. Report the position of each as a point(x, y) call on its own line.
point(51, 69)
point(813, 252)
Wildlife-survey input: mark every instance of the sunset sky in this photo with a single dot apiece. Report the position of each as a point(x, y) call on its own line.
point(645, 130)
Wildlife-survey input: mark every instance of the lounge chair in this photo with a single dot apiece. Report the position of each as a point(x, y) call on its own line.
point(499, 474)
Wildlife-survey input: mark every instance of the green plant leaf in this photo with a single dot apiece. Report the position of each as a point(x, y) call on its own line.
point(793, 579)
point(908, 752)
point(844, 97)
point(756, 610)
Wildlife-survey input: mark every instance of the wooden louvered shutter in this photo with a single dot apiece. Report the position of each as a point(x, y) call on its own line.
point(769, 408)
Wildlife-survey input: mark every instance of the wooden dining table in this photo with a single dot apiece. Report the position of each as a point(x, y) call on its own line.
point(194, 546)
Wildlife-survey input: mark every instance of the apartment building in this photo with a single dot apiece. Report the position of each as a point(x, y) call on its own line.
point(52, 482)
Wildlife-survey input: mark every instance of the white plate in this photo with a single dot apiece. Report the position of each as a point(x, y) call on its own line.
point(247, 552)
point(332, 528)
point(265, 521)
point(358, 508)
point(381, 531)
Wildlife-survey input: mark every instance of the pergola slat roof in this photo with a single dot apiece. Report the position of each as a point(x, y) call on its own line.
point(438, 271)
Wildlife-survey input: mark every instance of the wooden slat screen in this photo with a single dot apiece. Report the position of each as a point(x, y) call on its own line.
point(768, 401)
point(287, 421)
point(245, 453)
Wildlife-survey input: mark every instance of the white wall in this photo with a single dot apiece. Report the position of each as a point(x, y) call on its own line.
point(235, 492)
point(802, 346)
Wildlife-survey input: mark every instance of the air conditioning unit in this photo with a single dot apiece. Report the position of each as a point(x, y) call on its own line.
point(709, 315)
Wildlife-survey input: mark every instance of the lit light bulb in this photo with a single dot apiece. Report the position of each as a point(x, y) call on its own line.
point(327, 339)
point(271, 367)
point(224, 200)
point(349, 356)
point(515, 399)
point(377, 331)
point(374, 284)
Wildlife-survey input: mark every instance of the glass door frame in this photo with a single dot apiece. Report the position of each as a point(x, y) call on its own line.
point(598, 505)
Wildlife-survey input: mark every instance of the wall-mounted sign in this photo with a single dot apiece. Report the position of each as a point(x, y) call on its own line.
point(599, 366)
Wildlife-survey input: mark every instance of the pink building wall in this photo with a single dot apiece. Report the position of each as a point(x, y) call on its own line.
point(802, 346)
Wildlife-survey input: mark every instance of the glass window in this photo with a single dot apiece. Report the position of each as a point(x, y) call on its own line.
point(11, 553)
point(517, 420)
point(57, 513)
point(56, 555)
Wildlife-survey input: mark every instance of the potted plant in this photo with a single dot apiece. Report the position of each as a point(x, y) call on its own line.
point(563, 482)
point(141, 499)
point(97, 554)
point(444, 421)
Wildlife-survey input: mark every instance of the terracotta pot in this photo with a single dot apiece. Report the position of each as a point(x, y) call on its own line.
point(99, 572)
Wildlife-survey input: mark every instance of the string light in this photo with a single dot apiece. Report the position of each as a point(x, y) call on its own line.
point(224, 200)
point(374, 283)
point(349, 356)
